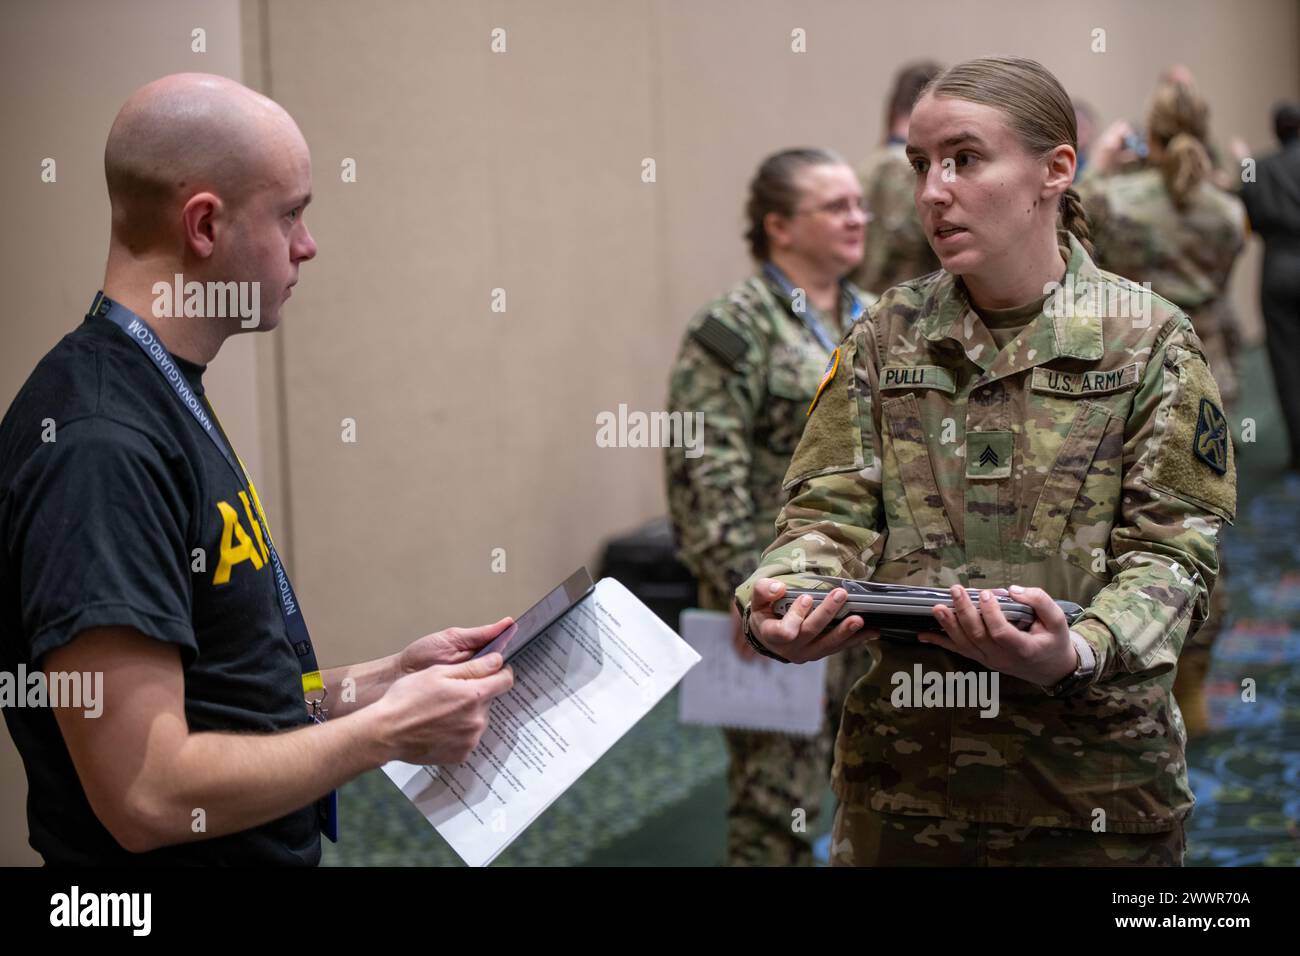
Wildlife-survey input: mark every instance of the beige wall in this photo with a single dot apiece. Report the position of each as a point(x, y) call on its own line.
point(522, 171)
point(67, 67)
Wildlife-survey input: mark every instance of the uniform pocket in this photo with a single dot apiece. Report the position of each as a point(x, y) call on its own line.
point(792, 379)
point(788, 377)
point(914, 508)
point(1084, 478)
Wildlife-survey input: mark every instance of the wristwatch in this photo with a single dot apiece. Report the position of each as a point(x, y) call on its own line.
point(755, 643)
point(1085, 667)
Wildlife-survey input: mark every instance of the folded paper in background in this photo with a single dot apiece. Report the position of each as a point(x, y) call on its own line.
point(761, 694)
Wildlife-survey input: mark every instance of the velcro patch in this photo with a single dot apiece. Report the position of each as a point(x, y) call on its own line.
point(1085, 383)
point(917, 376)
point(1194, 459)
point(988, 454)
point(832, 438)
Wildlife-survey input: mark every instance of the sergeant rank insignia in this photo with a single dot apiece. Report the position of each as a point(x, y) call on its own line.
point(1211, 442)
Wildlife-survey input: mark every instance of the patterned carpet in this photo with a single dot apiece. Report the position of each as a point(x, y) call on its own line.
point(658, 797)
point(654, 767)
point(1246, 771)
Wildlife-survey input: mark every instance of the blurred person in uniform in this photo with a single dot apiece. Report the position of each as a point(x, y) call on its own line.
point(1228, 179)
point(896, 249)
point(1272, 199)
point(1170, 226)
point(1085, 120)
point(1222, 176)
point(750, 361)
point(1004, 423)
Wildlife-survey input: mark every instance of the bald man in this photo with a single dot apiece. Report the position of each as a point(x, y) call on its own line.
point(183, 715)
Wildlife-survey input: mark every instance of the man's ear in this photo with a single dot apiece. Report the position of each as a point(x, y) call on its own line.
point(199, 221)
point(778, 230)
point(1061, 163)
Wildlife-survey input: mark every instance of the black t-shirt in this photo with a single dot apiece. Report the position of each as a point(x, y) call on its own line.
point(103, 526)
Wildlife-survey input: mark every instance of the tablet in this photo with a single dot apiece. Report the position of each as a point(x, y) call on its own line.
point(899, 607)
point(541, 615)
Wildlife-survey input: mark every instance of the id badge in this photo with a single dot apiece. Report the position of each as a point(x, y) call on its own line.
point(327, 812)
point(327, 807)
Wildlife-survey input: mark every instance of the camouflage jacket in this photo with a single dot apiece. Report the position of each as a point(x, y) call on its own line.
point(1090, 458)
point(1186, 254)
point(751, 364)
point(896, 247)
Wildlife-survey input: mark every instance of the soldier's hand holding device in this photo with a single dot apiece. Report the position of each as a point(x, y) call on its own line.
point(1023, 632)
point(1042, 652)
point(803, 631)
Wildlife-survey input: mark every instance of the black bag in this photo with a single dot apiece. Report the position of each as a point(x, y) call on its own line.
point(645, 562)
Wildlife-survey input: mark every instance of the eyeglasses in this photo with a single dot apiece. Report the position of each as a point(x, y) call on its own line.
point(838, 207)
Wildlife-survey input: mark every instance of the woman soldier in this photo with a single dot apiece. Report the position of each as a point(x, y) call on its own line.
point(751, 361)
point(1168, 225)
point(1019, 418)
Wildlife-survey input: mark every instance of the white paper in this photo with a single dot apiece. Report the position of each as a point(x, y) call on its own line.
point(578, 688)
point(763, 694)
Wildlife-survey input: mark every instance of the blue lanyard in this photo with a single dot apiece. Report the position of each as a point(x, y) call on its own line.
point(809, 315)
point(139, 332)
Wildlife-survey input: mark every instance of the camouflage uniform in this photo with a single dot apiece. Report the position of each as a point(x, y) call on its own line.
point(752, 366)
point(896, 247)
point(1089, 457)
point(1187, 256)
point(864, 836)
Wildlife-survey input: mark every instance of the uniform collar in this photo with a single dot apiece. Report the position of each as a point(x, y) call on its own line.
point(1045, 338)
point(853, 301)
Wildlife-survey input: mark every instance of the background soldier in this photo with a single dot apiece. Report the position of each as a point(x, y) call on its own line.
point(896, 249)
point(751, 362)
point(1170, 226)
point(1272, 199)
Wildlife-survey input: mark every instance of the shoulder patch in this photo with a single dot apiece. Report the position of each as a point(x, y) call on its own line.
point(831, 366)
point(1194, 460)
point(724, 343)
point(1210, 443)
